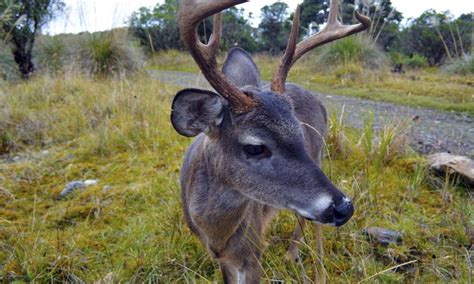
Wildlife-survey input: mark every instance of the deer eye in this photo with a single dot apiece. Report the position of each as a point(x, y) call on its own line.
point(255, 150)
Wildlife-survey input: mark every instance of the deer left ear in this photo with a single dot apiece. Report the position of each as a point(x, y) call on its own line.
point(195, 111)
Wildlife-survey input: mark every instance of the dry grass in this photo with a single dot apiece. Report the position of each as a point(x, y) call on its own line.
point(130, 227)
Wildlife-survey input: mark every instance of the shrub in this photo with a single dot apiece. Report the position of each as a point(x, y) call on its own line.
point(8, 67)
point(417, 61)
point(354, 49)
point(50, 53)
point(460, 66)
point(397, 58)
point(108, 54)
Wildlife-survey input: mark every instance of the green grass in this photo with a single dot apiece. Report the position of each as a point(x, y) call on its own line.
point(130, 226)
point(428, 88)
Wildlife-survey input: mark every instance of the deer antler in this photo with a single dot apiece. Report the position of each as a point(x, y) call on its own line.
point(192, 12)
point(332, 31)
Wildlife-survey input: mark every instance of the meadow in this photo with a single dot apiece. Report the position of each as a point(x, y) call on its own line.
point(130, 227)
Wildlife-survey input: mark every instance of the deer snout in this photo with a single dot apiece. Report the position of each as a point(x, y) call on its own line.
point(343, 212)
point(326, 211)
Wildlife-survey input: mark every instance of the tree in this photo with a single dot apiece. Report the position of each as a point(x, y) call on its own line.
point(26, 17)
point(437, 37)
point(313, 14)
point(273, 28)
point(385, 18)
point(236, 30)
point(157, 28)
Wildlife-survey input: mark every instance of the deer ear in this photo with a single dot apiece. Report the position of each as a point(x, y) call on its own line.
point(240, 69)
point(194, 111)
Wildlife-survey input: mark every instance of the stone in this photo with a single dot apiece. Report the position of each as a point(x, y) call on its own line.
point(383, 236)
point(461, 166)
point(75, 185)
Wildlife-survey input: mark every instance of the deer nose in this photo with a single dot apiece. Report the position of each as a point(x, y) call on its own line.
point(343, 212)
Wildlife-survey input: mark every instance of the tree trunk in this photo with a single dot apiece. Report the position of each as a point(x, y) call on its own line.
point(24, 61)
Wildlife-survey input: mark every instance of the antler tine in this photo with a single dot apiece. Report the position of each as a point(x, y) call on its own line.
point(191, 13)
point(332, 31)
point(279, 77)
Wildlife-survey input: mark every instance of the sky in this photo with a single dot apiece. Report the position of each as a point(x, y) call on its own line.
point(90, 15)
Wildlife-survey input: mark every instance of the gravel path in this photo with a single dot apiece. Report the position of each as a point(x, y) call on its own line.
point(431, 130)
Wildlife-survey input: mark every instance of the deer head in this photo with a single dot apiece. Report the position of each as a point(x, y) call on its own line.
point(254, 139)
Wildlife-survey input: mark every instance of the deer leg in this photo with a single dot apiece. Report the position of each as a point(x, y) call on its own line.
point(292, 253)
point(320, 273)
point(229, 273)
point(251, 272)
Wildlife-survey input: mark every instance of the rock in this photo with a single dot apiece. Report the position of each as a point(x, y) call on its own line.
point(383, 236)
point(461, 166)
point(77, 184)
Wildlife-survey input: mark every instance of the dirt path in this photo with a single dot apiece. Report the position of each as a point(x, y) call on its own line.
point(431, 130)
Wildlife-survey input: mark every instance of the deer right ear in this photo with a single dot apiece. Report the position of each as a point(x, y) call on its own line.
point(240, 69)
point(194, 111)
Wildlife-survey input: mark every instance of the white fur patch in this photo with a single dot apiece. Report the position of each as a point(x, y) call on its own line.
point(240, 277)
point(322, 203)
point(252, 140)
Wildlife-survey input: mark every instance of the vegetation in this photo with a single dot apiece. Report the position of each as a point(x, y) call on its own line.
point(108, 53)
point(354, 49)
point(130, 225)
point(20, 25)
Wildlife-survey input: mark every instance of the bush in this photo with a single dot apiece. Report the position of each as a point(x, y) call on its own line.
point(353, 49)
point(460, 66)
point(397, 58)
point(50, 53)
point(108, 54)
point(417, 62)
point(8, 67)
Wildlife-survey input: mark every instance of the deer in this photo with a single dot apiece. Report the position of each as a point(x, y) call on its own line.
point(257, 147)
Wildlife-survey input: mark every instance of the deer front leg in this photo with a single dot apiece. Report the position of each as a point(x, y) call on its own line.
point(292, 253)
point(229, 273)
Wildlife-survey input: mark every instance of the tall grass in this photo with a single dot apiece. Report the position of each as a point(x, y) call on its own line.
point(108, 53)
point(352, 50)
point(51, 53)
point(8, 67)
point(460, 66)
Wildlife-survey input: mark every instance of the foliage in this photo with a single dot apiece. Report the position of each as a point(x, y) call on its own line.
point(51, 53)
point(354, 49)
point(157, 28)
point(130, 226)
point(108, 54)
point(21, 27)
point(8, 67)
point(385, 18)
point(435, 36)
point(273, 28)
point(460, 66)
point(417, 61)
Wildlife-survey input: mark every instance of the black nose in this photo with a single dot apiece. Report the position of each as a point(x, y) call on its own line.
point(343, 212)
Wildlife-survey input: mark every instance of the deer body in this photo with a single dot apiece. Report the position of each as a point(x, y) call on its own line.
point(229, 223)
point(258, 148)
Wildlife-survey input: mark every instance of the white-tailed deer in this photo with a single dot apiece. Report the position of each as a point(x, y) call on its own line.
point(258, 148)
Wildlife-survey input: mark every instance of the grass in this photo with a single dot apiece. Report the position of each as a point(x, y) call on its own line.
point(130, 226)
point(428, 88)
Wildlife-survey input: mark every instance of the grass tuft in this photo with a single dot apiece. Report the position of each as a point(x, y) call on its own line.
point(352, 50)
point(108, 54)
point(461, 66)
